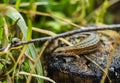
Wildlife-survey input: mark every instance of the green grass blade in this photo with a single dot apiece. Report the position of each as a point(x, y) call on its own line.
point(14, 15)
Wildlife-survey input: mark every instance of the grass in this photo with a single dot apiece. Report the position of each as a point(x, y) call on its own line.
point(55, 16)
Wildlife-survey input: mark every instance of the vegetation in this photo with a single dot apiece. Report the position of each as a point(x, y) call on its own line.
point(23, 20)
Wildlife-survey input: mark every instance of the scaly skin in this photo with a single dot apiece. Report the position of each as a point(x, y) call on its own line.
point(88, 45)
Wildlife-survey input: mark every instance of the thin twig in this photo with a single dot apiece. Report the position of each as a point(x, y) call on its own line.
point(85, 29)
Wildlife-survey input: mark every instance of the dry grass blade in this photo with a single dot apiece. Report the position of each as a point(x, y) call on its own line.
point(36, 62)
point(38, 76)
point(50, 33)
point(106, 74)
point(52, 16)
